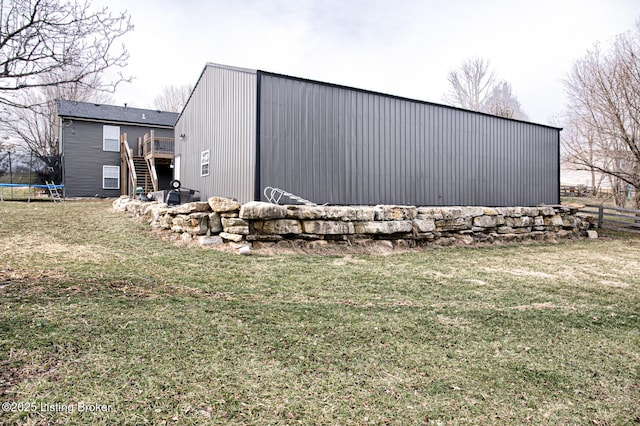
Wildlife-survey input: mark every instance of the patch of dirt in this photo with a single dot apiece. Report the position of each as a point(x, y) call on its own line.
point(10, 373)
point(37, 282)
point(34, 281)
point(20, 366)
point(49, 248)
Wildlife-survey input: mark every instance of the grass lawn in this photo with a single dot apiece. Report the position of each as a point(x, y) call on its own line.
point(101, 322)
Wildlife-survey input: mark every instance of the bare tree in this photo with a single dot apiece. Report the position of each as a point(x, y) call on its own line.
point(475, 86)
point(46, 43)
point(173, 98)
point(36, 128)
point(470, 84)
point(581, 150)
point(604, 94)
point(502, 102)
point(4, 146)
point(7, 149)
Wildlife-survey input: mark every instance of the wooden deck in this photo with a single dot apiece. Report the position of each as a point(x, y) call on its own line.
point(139, 165)
point(156, 147)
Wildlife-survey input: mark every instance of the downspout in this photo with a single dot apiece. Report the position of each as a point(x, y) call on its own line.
point(559, 164)
point(63, 174)
point(257, 193)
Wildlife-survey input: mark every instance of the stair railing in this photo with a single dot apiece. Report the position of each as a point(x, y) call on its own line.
point(132, 168)
point(151, 165)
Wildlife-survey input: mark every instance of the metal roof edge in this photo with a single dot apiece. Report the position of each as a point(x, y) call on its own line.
point(231, 67)
point(342, 86)
point(121, 122)
point(204, 69)
point(192, 92)
point(372, 92)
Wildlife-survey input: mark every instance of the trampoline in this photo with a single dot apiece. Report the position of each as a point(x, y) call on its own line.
point(49, 188)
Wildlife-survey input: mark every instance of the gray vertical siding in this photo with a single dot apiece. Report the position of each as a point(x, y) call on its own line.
point(83, 156)
point(337, 145)
point(220, 116)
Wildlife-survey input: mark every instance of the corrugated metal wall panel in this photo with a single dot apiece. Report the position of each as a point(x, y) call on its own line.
point(220, 116)
point(337, 145)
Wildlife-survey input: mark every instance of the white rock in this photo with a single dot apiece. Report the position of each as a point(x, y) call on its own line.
point(233, 221)
point(486, 221)
point(222, 204)
point(231, 237)
point(206, 241)
point(305, 212)
point(425, 225)
point(384, 227)
point(195, 207)
point(260, 210)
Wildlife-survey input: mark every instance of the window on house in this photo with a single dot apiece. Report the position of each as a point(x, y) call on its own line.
point(110, 177)
point(204, 163)
point(111, 138)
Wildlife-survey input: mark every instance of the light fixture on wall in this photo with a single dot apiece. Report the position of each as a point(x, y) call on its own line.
point(182, 136)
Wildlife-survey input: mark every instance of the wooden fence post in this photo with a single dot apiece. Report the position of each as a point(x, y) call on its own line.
point(600, 215)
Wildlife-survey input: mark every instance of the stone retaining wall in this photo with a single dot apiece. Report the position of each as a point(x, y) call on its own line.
point(225, 221)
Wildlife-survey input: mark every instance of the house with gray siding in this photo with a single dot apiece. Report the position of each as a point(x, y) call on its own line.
point(90, 145)
point(244, 130)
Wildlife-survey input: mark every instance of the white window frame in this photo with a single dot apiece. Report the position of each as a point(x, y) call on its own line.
point(110, 138)
point(204, 162)
point(110, 172)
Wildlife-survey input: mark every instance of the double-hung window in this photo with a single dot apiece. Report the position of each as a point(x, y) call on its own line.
point(111, 138)
point(110, 177)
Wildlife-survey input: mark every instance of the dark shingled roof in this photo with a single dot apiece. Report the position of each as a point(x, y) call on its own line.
point(117, 114)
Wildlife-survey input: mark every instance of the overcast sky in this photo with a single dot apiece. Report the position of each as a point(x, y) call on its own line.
point(400, 47)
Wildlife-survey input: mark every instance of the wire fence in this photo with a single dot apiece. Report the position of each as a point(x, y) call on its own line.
point(25, 175)
point(28, 168)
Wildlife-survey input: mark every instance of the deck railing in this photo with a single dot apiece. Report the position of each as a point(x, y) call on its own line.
point(157, 147)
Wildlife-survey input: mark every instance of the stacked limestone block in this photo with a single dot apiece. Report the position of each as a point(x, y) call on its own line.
point(223, 220)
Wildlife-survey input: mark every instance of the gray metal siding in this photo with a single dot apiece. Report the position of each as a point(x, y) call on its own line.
point(336, 145)
point(83, 156)
point(220, 116)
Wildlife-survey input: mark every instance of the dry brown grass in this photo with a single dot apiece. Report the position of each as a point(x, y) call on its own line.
point(535, 334)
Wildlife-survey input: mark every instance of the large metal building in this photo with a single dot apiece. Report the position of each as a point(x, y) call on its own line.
point(243, 130)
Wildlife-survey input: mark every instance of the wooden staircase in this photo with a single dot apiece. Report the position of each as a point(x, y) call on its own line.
point(142, 172)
